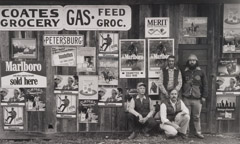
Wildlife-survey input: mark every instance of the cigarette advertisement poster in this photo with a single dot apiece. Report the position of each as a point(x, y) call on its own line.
point(16, 74)
point(132, 58)
point(64, 56)
point(231, 16)
point(88, 111)
point(35, 99)
point(63, 40)
point(24, 48)
point(108, 43)
point(13, 118)
point(158, 52)
point(194, 26)
point(228, 84)
point(153, 88)
point(67, 83)
point(156, 27)
point(88, 87)
point(108, 70)
point(86, 59)
point(10, 96)
point(231, 40)
point(66, 105)
point(229, 67)
point(110, 96)
point(226, 102)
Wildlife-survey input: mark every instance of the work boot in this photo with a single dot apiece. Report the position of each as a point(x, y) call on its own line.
point(199, 135)
point(182, 135)
point(132, 136)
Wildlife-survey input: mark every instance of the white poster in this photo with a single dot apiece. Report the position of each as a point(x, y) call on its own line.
point(156, 27)
point(64, 56)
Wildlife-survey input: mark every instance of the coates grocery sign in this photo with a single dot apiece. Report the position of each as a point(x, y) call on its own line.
point(70, 17)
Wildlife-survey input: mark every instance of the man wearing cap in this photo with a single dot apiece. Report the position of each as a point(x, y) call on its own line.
point(141, 111)
point(170, 78)
point(195, 91)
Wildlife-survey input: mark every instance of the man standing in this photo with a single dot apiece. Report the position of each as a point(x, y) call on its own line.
point(140, 112)
point(174, 116)
point(195, 91)
point(170, 78)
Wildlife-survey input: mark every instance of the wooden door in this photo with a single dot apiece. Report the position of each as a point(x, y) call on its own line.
point(203, 52)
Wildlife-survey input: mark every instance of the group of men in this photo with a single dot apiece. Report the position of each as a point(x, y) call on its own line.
point(174, 112)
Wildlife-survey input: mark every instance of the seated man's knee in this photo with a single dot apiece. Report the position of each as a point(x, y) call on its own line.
point(186, 117)
point(171, 133)
point(131, 116)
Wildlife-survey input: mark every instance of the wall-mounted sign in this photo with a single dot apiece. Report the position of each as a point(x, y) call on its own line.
point(66, 105)
point(13, 118)
point(88, 87)
point(63, 40)
point(194, 27)
point(64, 56)
point(24, 48)
point(156, 27)
point(12, 96)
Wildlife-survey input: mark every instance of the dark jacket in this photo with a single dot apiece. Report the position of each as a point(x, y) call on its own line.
point(171, 114)
point(142, 107)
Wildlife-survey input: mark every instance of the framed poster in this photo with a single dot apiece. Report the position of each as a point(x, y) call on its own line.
point(231, 40)
point(194, 27)
point(24, 48)
point(153, 88)
point(86, 59)
point(65, 83)
point(66, 105)
point(88, 87)
point(132, 58)
point(64, 56)
point(226, 102)
point(12, 96)
point(110, 96)
point(35, 99)
point(231, 16)
point(156, 27)
point(108, 42)
point(228, 84)
point(13, 118)
point(229, 67)
point(158, 52)
point(88, 111)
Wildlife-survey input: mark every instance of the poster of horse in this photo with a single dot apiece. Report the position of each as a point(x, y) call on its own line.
point(194, 27)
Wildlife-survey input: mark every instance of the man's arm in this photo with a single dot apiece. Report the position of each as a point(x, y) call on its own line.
point(160, 83)
point(152, 109)
point(163, 115)
point(184, 108)
point(132, 110)
point(179, 85)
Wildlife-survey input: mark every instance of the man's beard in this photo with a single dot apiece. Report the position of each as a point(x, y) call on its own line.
point(192, 66)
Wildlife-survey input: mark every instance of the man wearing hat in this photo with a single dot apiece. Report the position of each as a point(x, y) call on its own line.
point(141, 111)
point(195, 91)
point(57, 81)
point(3, 93)
point(69, 85)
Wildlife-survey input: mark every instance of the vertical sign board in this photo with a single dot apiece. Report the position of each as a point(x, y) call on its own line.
point(88, 87)
point(86, 59)
point(13, 118)
point(156, 27)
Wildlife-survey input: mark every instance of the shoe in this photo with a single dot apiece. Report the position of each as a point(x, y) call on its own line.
point(146, 134)
point(199, 135)
point(182, 135)
point(132, 136)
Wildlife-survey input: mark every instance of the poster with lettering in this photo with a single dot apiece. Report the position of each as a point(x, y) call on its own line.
point(231, 40)
point(35, 99)
point(86, 59)
point(23, 74)
point(108, 69)
point(194, 27)
point(110, 96)
point(132, 58)
point(13, 118)
point(88, 87)
point(88, 111)
point(226, 102)
point(156, 27)
point(63, 40)
point(108, 42)
point(158, 52)
point(66, 83)
point(228, 85)
point(153, 88)
point(24, 48)
point(64, 56)
point(10, 96)
point(231, 16)
point(228, 67)
point(66, 105)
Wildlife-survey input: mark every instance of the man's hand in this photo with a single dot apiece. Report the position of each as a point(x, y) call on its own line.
point(203, 100)
point(175, 126)
point(143, 120)
point(140, 118)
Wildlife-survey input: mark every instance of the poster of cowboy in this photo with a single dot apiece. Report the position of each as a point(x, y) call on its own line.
point(108, 70)
point(108, 42)
point(88, 111)
point(194, 27)
point(228, 67)
point(13, 118)
point(132, 58)
point(231, 16)
point(24, 48)
point(12, 96)
point(228, 85)
point(35, 99)
point(158, 52)
point(66, 83)
point(23, 74)
point(156, 27)
point(64, 56)
point(109, 95)
point(66, 105)
point(231, 40)
point(86, 59)
point(88, 87)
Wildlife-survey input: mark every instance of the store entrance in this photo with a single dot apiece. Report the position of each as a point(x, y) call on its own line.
point(203, 52)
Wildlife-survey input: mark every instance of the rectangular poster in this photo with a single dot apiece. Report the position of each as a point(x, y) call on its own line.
point(226, 102)
point(108, 42)
point(110, 96)
point(68, 83)
point(229, 67)
point(66, 105)
point(231, 16)
point(13, 118)
point(86, 59)
point(231, 40)
point(153, 88)
point(24, 48)
point(88, 87)
point(63, 40)
point(17, 74)
point(35, 99)
point(194, 27)
point(88, 111)
point(158, 52)
point(64, 56)
point(228, 84)
point(156, 27)
point(132, 58)
point(10, 96)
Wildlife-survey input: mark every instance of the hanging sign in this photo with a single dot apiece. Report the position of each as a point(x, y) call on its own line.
point(60, 40)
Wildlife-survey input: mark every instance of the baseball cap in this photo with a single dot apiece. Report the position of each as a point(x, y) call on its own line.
point(141, 84)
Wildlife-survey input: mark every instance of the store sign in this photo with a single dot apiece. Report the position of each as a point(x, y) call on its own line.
point(60, 40)
point(71, 17)
point(157, 27)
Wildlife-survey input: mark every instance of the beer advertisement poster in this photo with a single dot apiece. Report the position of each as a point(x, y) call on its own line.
point(158, 52)
point(88, 111)
point(64, 56)
point(110, 96)
point(156, 27)
point(66, 105)
point(13, 118)
point(88, 87)
point(194, 27)
point(108, 42)
point(66, 83)
point(132, 58)
point(35, 99)
point(229, 67)
point(23, 74)
point(11, 96)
